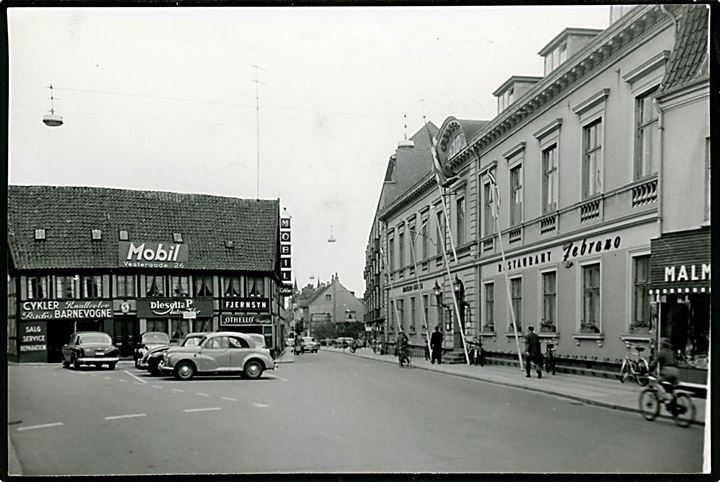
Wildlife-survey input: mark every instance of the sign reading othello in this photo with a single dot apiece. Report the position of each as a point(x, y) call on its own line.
point(231, 319)
point(150, 254)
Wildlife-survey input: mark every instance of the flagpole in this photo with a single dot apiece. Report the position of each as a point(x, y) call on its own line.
point(504, 265)
point(438, 173)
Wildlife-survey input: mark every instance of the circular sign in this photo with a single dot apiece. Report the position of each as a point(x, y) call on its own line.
point(125, 307)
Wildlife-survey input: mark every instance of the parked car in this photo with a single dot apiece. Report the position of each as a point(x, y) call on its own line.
point(258, 339)
point(90, 348)
point(309, 344)
point(216, 353)
point(148, 341)
point(151, 360)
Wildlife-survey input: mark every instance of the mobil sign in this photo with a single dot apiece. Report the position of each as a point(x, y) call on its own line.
point(152, 254)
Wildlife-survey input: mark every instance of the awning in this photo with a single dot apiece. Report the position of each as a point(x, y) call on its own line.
point(672, 291)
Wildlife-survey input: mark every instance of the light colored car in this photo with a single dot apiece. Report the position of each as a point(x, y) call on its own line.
point(309, 344)
point(222, 352)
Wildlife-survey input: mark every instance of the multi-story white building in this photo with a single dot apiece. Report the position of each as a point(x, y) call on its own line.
point(592, 161)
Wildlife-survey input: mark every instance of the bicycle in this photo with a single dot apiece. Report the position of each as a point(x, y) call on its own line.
point(637, 369)
point(404, 357)
point(680, 406)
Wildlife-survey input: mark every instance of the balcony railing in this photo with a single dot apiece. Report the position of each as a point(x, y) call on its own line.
point(590, 211)
point(644, 193)
point(548, 224)
point(515, 235)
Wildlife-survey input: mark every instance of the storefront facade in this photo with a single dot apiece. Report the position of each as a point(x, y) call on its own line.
point(125, 279)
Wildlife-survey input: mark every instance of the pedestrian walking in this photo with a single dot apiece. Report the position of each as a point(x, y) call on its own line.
point(533, 352)
point(436, 341)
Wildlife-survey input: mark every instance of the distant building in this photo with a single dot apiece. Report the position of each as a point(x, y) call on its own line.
point(331, 306)
point(126, 262)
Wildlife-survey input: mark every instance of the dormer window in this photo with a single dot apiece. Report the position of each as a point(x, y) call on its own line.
point(96, 234)
point(39, 234)
point(124, 235)
point(177, 237)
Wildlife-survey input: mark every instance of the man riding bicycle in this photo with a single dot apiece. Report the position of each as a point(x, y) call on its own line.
point(668, 368)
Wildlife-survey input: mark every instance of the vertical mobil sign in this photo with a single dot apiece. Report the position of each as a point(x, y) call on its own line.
point(285, 256)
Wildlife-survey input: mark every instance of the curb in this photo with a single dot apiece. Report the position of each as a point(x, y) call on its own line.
point(587, 401)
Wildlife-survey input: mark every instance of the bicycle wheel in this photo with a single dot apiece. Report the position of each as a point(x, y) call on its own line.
point(684, 413)
point(643, 370)
point(649, 404)
point(624, 372)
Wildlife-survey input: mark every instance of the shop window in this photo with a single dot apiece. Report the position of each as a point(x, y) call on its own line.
point(180, 285)
point(592, 151)
point(516, 297)
point(65, 288)
point(460, 220)
point(256, 287)
point(125, 285)
point(590, 322)
point(179, 328)
point(548, 320)
point(641, 297)
point(516, 198)
point(157, 325)
point(232, 286)
point(37, 287)
point(489, 318)
point(550, 178)
point(154, 286)
point(91, 286)
point(203, 285)
point(647, 136)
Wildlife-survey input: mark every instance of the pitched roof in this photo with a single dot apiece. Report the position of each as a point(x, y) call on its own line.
point(688, 59)
point(68, 214)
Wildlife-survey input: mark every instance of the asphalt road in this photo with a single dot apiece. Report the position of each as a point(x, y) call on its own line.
point(326, 413)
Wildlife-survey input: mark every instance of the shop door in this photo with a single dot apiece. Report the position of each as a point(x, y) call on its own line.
point(125, 334)
point(58, 334)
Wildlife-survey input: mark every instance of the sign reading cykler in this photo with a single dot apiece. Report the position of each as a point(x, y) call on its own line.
point(151, 254)
point(49, 310)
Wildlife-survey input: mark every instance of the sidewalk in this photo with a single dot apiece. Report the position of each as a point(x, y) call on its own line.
point(589, 390)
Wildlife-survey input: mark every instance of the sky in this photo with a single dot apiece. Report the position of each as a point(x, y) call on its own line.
point(165, 99)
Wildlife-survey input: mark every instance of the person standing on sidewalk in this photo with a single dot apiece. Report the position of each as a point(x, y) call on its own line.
point(533, 352)
point(436, 341)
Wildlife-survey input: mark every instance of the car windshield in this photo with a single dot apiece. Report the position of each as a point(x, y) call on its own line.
point(155, 338)
point(95, 338)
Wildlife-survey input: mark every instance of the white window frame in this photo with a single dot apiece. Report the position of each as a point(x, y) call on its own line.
point(589, 111)
point(580, 293)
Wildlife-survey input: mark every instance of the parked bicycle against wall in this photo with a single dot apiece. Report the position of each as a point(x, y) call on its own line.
point(679, 404)
point(550, 358)
point(634, 366)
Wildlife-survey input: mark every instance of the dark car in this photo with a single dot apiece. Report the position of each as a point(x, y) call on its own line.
point(148, 341)
point(154, 356)
point(90, 348)
point(219, 352)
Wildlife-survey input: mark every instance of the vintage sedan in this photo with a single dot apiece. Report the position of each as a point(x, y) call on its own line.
point(151, 360)
point(90, 348)
point(222, 352)
point(148, 341)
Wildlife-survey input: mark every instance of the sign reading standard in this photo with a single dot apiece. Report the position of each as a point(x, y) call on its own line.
point(151, 254)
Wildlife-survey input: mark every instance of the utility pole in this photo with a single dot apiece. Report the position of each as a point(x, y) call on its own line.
point(257, 123)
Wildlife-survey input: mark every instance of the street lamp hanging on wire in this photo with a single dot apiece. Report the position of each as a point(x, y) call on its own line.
point(52, 119)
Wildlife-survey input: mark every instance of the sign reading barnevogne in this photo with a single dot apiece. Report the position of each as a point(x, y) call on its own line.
point(58, 310)
point(151, 254)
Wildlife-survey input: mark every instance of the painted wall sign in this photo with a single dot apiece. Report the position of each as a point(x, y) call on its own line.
point(286, 290)
point(528, 260)
point(234, 319)
point(285, 249)
point(64, 310)
point(151, 254)
point(284, 223)
point(594, 246)
point(247, 305)
point(683, 272)
point(33, 337)
point(412, 287)
point(174, 307)
point(681, 260)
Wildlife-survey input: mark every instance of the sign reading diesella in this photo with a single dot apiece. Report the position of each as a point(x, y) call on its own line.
point(151, 254)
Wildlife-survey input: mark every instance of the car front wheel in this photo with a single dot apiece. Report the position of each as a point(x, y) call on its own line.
point(184, 371)
point(253, 369)
point(111, 366)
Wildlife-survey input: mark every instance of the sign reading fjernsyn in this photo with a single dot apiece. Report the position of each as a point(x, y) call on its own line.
point(150, 254)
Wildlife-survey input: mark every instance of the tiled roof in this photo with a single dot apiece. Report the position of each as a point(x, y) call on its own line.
point(68, 214)
point(688, 59)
